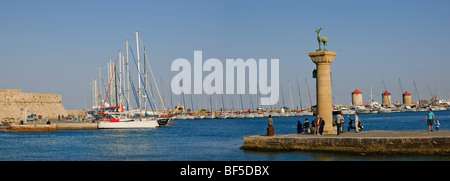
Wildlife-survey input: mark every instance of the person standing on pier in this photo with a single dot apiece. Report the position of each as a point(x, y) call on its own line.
point(316, 125)
point(339, 122)
point(429, 118)
point(299, 127)
point(342, 122)
point(270, 121)
point(356, 123)
point(321, 125)
point(270, 129)
point(437, 125)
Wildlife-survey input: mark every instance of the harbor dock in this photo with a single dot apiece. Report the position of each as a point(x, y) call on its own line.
point(364, 143)
point(55, 125)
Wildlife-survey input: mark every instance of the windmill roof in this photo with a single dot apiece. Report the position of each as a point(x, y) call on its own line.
point(356, 92)
point(406, 93)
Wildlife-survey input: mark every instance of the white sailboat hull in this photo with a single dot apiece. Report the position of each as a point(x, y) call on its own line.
point(307, 113)
point(249, 116)
point(222, 116)
point(259, 115)
point(128, 124)
point(210, 117)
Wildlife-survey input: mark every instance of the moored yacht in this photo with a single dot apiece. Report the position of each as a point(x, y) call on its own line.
point(345, 110)
point(121, 121)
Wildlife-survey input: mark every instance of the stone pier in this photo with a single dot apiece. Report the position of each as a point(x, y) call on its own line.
point(366, 142)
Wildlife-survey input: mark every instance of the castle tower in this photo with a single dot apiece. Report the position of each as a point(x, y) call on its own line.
point(13, 101)
point(407, 98)
point(323, 59)
point(386, 96)
point(356, 98)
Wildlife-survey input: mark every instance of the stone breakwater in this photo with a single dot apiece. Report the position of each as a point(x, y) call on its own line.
point(366, 142)
point(31, 128)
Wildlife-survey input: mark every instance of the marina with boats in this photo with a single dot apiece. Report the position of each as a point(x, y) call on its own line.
point(130, 97)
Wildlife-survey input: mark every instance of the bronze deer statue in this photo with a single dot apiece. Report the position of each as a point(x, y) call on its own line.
point(321, 39)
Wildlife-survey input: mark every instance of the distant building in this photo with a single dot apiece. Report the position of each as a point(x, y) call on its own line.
point(386, 97)
point(357, 98)
point(15, 104)
point(407, 98)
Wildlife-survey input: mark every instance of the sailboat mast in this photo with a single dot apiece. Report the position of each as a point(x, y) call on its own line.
point(437, 91)
point(223, 103)
point(401, 89)
point(371, 98)
point(299, 95)
point(110, 72)
point(290, 93)
point(100, 86)
point(232, 106)
point(170, 93)
point(310, 102)
point(192, 104)
point(95, 94)
point(122, 80)
point(210, 102)
point(154, 80)
point(139, 69)
point(145, 81)
point(184, 102)
point(128, 75)
point(282, 95)
point(164, 99)
point(115, 81)
point(418, 97)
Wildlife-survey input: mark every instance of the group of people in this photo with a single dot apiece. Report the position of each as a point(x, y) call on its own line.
point(430, 119)
point(316, 126)
point(339, 123)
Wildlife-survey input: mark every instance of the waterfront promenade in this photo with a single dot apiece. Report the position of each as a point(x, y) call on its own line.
point(365, 142)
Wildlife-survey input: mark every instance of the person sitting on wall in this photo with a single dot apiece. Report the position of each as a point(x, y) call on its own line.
point(306, 125)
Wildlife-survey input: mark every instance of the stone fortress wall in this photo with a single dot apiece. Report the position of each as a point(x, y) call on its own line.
point(12, 103)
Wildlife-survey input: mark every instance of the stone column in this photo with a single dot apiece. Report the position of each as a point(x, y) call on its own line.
point(323, 59)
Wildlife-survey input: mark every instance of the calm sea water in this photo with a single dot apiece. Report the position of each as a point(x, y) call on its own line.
point(194, 140)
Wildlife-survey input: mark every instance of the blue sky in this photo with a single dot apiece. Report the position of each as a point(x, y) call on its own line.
point(57, 46)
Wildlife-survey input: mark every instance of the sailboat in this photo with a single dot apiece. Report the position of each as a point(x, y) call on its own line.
point(128, 119)
point(259, 115)
point(249, 114)
point(211, 114)
point(372, 108)
point(222, 114)
point(306, 112)
point(121, 121)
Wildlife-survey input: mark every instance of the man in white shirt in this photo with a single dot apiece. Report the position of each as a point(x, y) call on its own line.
point(339, 122)
point(356, 123)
